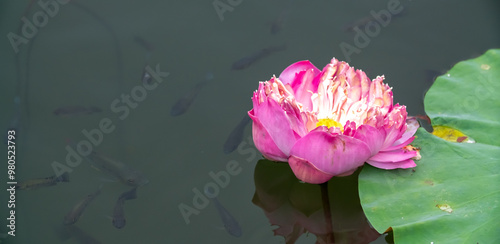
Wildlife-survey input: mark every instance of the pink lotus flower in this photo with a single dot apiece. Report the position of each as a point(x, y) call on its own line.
point(328, 123)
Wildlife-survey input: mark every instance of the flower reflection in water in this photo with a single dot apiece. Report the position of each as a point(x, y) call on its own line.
point(297, 208)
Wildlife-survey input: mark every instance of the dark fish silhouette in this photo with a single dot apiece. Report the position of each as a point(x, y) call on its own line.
point(76, 110)
point(146, 77)
point(360, 23)
point(125, 173)
point(145, 44)
point(279, 22)
point(230, 224)
point(367, 20)
point(74, 232)
point(236, 136)
point(119, 212)
point(41, 182)
point(78, 209)
point(248, 60)
point(182, 105)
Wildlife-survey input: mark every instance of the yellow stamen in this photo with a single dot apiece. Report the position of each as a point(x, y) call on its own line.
point(330, 123)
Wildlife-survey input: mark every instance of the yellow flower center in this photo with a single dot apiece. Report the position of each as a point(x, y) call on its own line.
point(330, 123)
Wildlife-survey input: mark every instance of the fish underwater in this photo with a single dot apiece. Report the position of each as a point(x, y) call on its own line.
point(145, 44)
point(119, 212)
point(230, 224)
point(182, 105)
point(367, 20)
point(42, 182)
point(248, 60)
point(360, 23)
point(236, 136)
point(126, 174)
point(146, 77)
point(78, 209)
point(76, 110)
point(279, 22)
point(74, 232)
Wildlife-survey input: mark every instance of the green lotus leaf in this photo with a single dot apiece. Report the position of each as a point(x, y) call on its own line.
point(453, 195)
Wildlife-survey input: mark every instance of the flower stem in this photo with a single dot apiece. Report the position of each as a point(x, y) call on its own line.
point(327, 212)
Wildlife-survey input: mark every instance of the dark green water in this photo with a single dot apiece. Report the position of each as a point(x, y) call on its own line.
point(87, 55)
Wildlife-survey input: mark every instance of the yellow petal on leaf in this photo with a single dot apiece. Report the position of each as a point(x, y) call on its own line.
point(450, 134)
